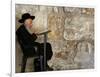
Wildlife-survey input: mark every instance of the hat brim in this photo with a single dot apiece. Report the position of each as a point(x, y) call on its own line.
point(22, 20)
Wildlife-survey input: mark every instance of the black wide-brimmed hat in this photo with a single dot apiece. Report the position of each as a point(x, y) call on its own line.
point(26, 16)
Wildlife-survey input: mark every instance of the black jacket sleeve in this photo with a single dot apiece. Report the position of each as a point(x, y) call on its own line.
point(34, 37)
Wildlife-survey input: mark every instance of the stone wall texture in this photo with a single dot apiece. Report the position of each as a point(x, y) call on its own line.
point(71, 37)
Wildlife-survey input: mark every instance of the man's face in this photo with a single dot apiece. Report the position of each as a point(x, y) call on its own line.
point(28, 22)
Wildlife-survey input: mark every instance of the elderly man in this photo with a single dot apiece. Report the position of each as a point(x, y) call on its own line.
point(27, 40)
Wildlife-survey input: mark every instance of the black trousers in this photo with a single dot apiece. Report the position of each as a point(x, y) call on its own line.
point(40, 49)
point(30, 50)
point(40, 52)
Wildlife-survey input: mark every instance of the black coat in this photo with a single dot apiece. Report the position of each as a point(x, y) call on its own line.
point(25, 36)
point(27, 42)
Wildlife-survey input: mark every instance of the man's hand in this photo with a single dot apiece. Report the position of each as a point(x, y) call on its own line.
point(34, 36)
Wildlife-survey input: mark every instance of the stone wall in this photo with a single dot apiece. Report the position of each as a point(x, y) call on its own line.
point(71, 37)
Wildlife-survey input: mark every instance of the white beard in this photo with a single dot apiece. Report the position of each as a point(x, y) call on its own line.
point(29, 30)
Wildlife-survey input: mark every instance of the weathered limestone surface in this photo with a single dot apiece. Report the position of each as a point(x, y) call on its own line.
point(71, 37)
